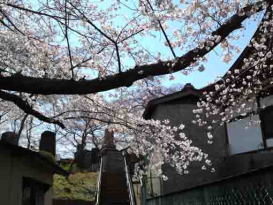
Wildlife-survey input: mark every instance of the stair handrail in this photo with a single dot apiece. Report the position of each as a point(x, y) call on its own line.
point(99, 183)
point(129, 180)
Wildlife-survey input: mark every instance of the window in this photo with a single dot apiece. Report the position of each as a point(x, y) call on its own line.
point(267, 119)
point(267, 123)
point(33, 192)
point(245, 135)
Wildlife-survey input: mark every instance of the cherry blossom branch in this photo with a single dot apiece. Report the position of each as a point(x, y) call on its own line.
point(58, 18)
point(163, 31)
point(67, 40)
point(48, 86)
point(103, 34)
point(101, 120)
point(25, 106)
point(11, 22)
point(6, 25)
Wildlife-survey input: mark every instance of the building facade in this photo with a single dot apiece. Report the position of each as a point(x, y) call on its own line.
point(241, 152)
point(26, 176)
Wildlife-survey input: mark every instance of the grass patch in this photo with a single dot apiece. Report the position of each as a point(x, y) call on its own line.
point(81, 185)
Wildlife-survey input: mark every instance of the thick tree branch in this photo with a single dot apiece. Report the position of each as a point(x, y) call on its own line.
point(23, 105)
point(48, 86)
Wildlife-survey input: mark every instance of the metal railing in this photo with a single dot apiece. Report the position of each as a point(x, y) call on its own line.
point(99, 184)
point(129, 181)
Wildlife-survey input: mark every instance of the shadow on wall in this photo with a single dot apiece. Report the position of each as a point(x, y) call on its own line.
point(72, 202)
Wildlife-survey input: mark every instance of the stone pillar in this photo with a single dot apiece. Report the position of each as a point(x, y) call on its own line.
point(10, 137)
point(108, 141)
point(48, 142)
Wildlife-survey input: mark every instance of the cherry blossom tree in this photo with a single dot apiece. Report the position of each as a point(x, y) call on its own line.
point(51, 50)
point(248, 79)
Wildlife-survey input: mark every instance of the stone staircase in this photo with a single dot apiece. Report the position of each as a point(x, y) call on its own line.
point(114, 189)
point(113, 185)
